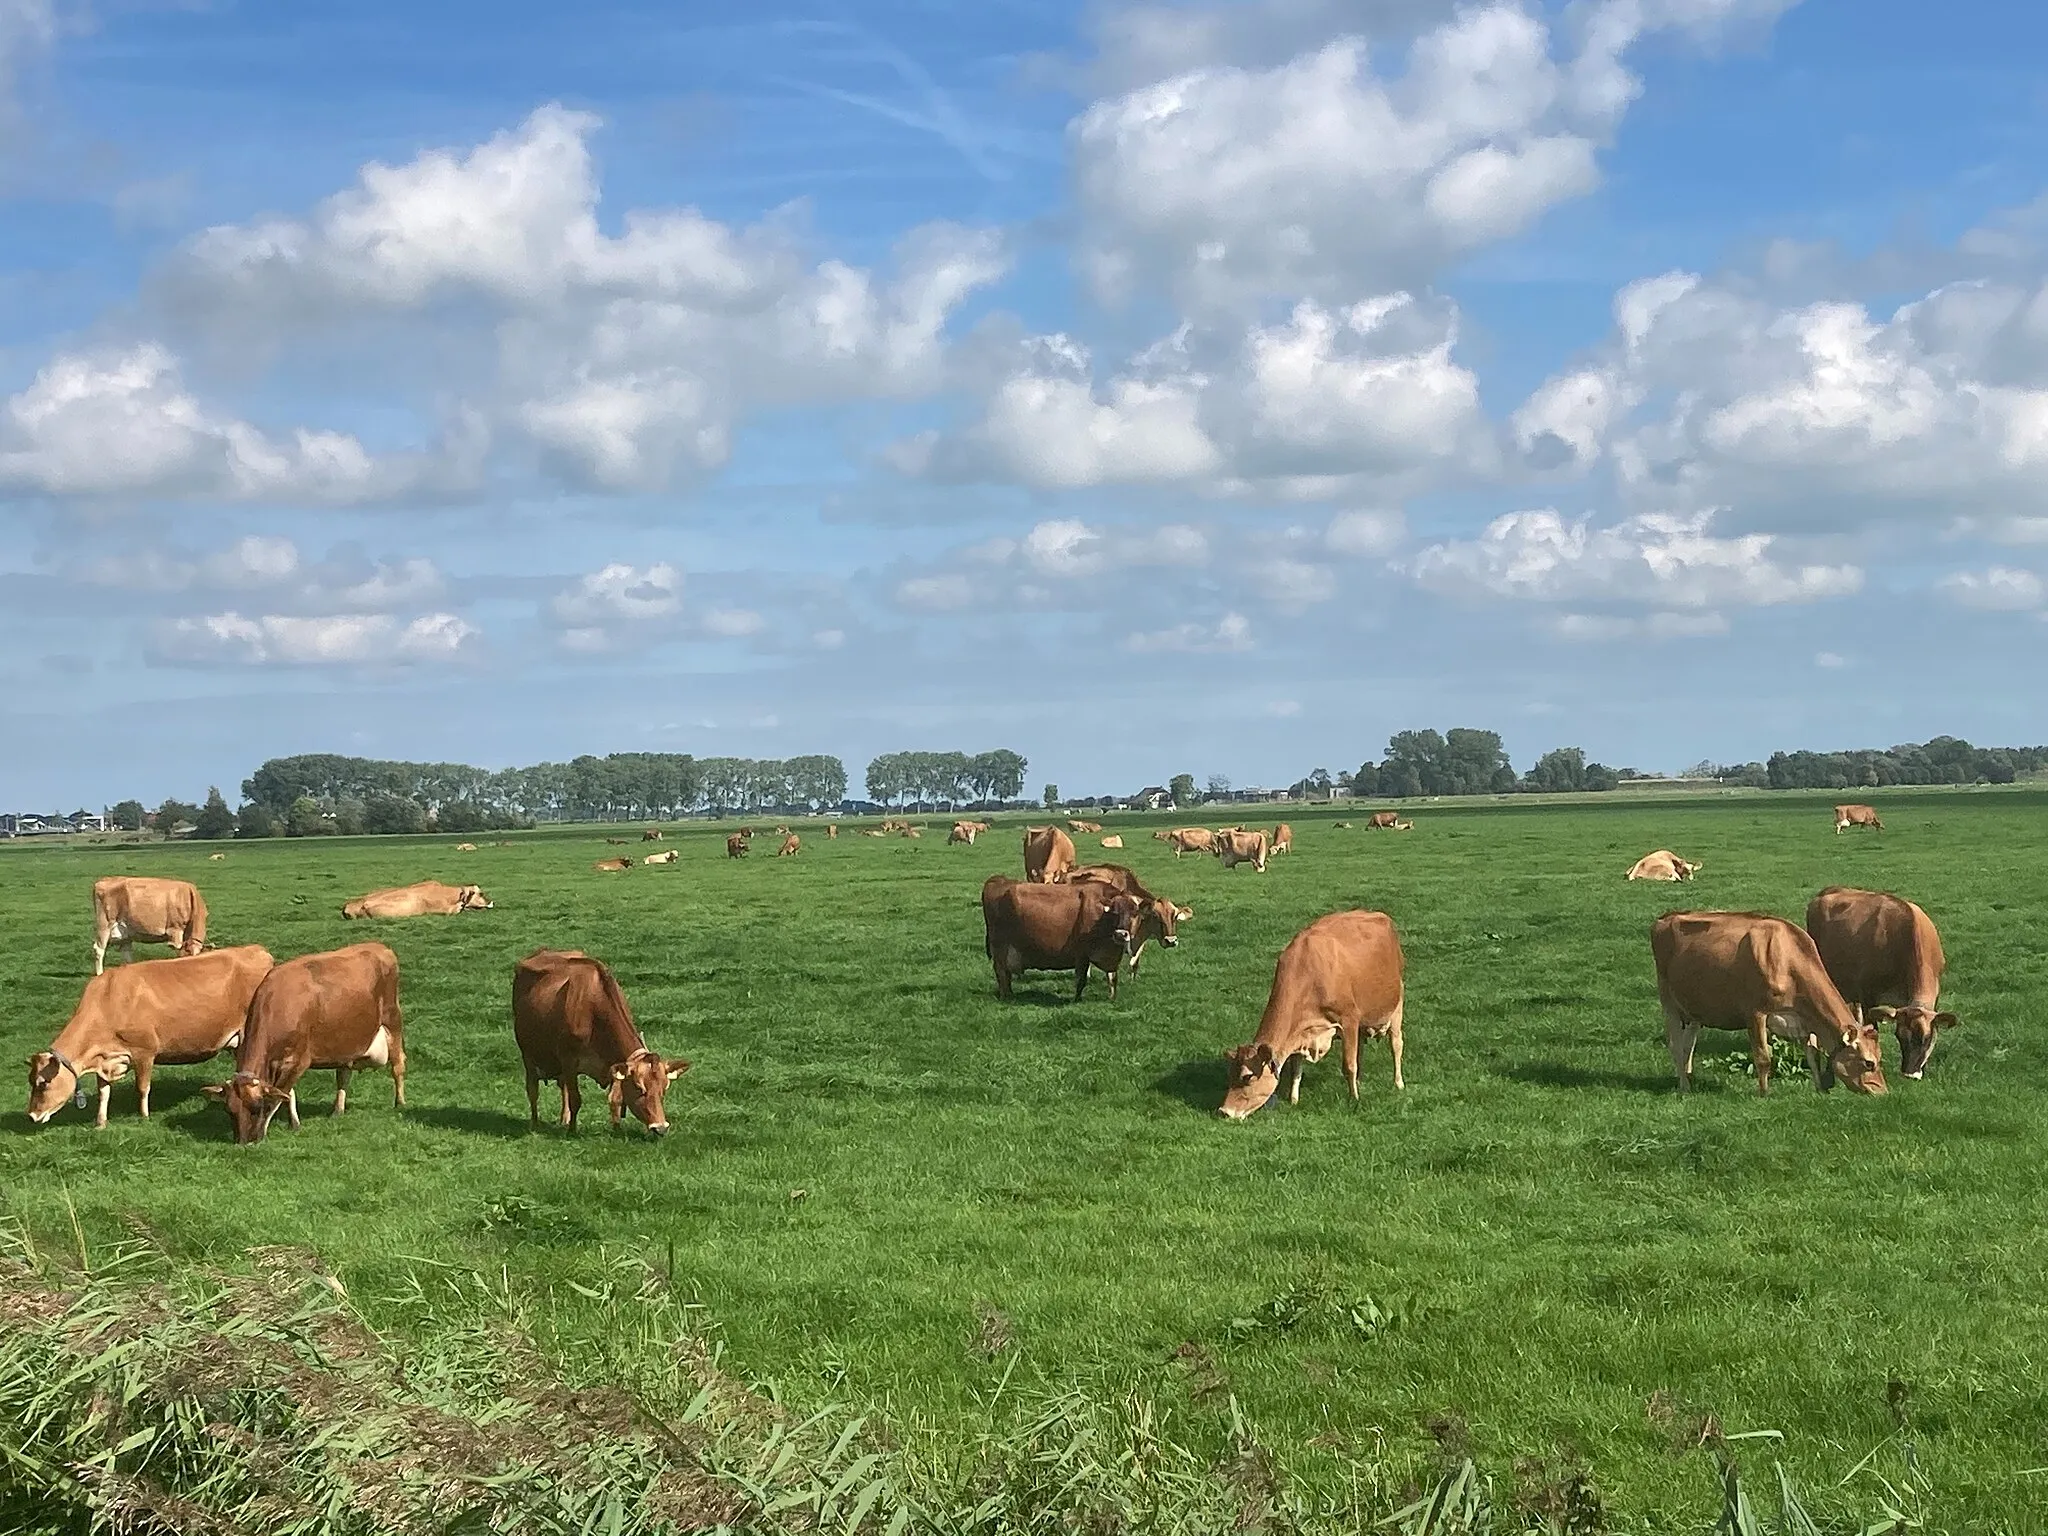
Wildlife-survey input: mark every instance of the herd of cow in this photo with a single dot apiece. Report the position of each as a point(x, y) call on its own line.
point(1863, 958)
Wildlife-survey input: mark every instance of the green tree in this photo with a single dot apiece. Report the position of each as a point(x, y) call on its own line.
point(173, 814)
point(1366, 781)
point(128, 815)
point(1182, 788)
point(214, 820)
point(387, 815)
point(460, 816)
point(1560, 770)
point(256, 820)
point(1219, 786)
point(306, 819)
point(1052, 797)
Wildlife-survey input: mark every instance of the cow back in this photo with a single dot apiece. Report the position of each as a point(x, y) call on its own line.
point(319, 1010)
point(181, 1010)
point(1878, 948)
point(1346, 968)
point(1051, 927)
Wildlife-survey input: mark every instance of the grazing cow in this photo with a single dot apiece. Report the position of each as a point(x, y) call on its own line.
point(1341, 975)
point(1283, 838)
point(1383, 821)
point(736, 846)
point(1663, 865)
point(571, 1021)
point(612, 866)
point(1884, 956)
point(1048, 855)
point(832, 831)
point(338, 1009)
point(1160, 918)
point(666, 856)
point(782, 831)
point(791, 845)
point(430, 898)
point(620, 842)
point(1857, 816)
point(1033, 927)
point(963, 832)
point(1763, 976)
point(651, 835)
point(1114, 840)
point(1084, 826)
point(1191, 840)
point(1235, 848)
point(130, 907)
point(169, 1012)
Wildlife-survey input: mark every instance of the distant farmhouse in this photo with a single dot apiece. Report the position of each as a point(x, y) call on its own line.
point(29, 824)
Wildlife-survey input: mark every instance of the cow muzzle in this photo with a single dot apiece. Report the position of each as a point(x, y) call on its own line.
point(658, 1130)
point(1168, 941)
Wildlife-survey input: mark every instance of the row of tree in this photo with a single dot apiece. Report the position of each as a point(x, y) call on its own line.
point(949, 778)
point(1944, 760)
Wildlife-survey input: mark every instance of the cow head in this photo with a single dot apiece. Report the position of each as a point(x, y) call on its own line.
point(471, 898)
point(1159, 920)
point(1858, 1061)
point(1916, 1027)
point(637, 1086)
point(51, 1080)
point(250, 1103)
point(1254, 1075)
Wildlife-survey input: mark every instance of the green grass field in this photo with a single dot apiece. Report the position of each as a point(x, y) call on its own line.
point(888, 1188)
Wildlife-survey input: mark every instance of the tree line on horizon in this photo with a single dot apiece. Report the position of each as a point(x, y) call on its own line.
point(325, 793)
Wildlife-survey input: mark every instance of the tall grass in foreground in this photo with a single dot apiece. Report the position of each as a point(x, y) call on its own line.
point(139, 1399)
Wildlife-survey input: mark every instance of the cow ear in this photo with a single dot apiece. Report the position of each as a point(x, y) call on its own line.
point(1944, 1021)
point(1883, 1015)
point(274, 1095)
point(1262, 1055)
point(619, 1072)
point(1182, 914)
point(676, 1067)
point(215, 1091)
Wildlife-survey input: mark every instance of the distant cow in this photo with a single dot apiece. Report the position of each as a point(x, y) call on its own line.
point(619, 842)
point(465, 847)
point(831, 831)
point(1191, 840)
point(1283, 838)
point(430, 898)
point(666, 856)
point(873, 832)
point(157, 1012)
point(1084, 826)
point(736, 846)
point(571, 1021)
point(1160, 918)
point(1113, 841)
point(791, 844)
point(1383, 821)
point(1762, 976)
point(1048, 855)
point(963, 832)
point(211, 858)
point(1856, 816)
point(1663, 865)
point(651, 835)
point(1884, 956)
point(612, 866)
point(338, 1009)
point(126, 908)
point(1340, 976)
point(1235, 848)
point(911, 832)
point(1031, 927)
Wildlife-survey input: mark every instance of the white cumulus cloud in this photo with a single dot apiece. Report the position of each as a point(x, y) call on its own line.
point(230, 639)
point(1999, 588)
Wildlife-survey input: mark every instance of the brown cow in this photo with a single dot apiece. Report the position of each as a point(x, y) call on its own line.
point(1763, 976)
point(173, 1012)
point(1383, 821)
point(465, 847)
point(612, 866)
point(666, 856)
point(1191, 840)
point(1339, 976)
point(1159, 918)
point(873, 832)
point(1283, 838)
point(1884, 956)
point(831, 831)
point(1235, 848)
point(1857, 816)
point(651, 835)
point(1084, 826)
point(1035, 927)
point(130, 907)
point(1048, 855)
point(911, 832)
point(571, 1021)
point(1663, 865)
point(620, 842)
point(736, 846)
point(338, 1009)
point(430, 898)
point(963, 832)
point(1114, 840)
point(791, 844)
point(1163, 835)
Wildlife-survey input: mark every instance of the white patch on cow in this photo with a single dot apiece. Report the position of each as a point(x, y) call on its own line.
point(379, 1053)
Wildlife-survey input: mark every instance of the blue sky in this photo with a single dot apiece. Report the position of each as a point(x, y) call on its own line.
point(1147, 387)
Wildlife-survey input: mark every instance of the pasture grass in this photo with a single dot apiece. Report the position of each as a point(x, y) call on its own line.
point(887, 1189)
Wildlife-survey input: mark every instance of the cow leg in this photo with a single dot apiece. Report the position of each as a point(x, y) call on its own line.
point(397, 1071)
point(1300, 1064)
point(1001, 961)
point(143, 1066)
point(106, 1098)
point(1351, 1062)
point(1394, 1040)
point(99, 954)
point(1680, 1037)
point(1080, 980)
point(572, 1102)
point(341, 1077)
point(1111, 973)
point(1822, 1070)
point(291, 1105)
point(1760, 1050)
point(532, 1101)
point(128, 951)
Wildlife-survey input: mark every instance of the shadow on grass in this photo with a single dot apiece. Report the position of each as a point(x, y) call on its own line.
point(1556, 1074)
point(1198, 1084)
point(498, 1123)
